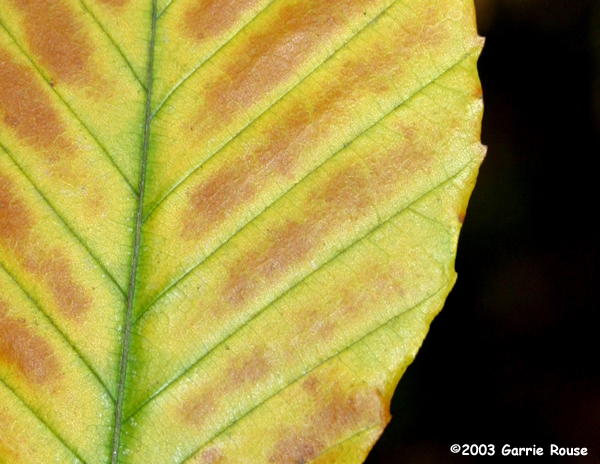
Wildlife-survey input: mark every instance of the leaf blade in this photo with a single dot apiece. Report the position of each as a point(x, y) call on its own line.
point(294, 247)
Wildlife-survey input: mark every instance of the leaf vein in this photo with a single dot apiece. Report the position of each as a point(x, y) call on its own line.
point(164, 9)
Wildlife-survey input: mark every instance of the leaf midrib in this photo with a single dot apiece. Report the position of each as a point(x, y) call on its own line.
point(136, 247)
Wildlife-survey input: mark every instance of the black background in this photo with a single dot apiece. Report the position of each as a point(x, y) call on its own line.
point(514, 356)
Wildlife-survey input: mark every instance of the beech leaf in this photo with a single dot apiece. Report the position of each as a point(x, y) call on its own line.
point(225, 225)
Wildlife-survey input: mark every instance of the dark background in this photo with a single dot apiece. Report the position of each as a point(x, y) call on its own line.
point(514, 356)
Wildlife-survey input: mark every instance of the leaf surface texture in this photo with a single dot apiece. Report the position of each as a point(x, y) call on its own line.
point(225, 226)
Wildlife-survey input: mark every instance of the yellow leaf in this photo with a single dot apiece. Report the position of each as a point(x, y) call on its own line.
point(225, 225)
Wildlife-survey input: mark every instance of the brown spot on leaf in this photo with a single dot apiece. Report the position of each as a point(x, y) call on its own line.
point(29, 353)
point(27, 110)
point(344, 196)
point(347, 193)
point(49, 266)
point(248, 370)
point(269, 58)
point(209, 18)
point(287, 246)
point(311, 385)
point(231, 186)
point(195, 411)
point(371, 286)
point(337, 415)
point(413, 154)
point(15, 219)
point(7, 448)
point(212, 201)
point(58, 38)
point(313, 327)
point(57, 272)
point(286, 141)
point(342, 414)
point(213, 456)
point(297, 449)
point(242, 372)
point(461, 217)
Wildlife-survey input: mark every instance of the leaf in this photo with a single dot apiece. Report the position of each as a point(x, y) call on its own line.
point(225, 226)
